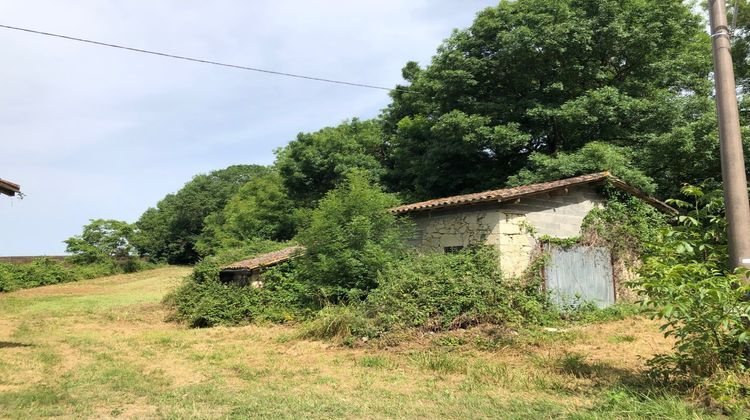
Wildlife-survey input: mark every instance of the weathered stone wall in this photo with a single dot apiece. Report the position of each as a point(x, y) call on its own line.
point(510, 227)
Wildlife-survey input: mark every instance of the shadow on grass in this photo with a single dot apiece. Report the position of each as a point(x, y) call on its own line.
point(606, 375)
point(626, 393)
point(12, 345)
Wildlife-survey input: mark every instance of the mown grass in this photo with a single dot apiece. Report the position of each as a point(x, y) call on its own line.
point(101, 348)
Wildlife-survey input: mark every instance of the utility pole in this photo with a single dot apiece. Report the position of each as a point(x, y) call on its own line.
point(732, 159)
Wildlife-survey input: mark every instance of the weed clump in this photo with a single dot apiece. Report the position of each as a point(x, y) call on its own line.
point(340, 322)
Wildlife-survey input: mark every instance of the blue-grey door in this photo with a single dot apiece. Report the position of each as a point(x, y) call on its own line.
point(580, 274)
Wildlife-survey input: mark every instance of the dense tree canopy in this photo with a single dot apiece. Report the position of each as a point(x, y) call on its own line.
point(101, 240)
point(593, 157)
point(314, 163)
point(260, 209)
point(169, 231)
point(541, 76)
point(741, 42)
point(533, 90)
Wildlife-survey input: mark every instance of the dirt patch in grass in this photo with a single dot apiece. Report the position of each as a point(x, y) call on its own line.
point(644, 341)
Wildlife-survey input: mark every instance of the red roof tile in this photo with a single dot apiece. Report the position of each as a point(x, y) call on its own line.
point(526, 190)
point(266, 260)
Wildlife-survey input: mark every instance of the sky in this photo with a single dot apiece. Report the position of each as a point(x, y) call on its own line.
point(91, 132)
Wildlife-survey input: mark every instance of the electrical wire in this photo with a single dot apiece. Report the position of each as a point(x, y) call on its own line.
point(198, 60)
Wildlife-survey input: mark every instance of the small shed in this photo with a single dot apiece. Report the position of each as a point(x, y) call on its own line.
point(9, 188)
point(512, 220)
point(247, 272)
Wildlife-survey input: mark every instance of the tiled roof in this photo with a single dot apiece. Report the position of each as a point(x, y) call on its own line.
point(526, 190)
point(266, 260)
point(9, 188)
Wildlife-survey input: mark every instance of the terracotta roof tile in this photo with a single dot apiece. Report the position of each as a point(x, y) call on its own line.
point(266, 260)
point(525, 190)
point(9, 188)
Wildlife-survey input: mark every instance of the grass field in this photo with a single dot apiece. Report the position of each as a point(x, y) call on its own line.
point(101, 348)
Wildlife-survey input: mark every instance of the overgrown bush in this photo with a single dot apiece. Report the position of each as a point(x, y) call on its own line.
point(351, 237)
point(446, 291)
point(625, 224)
point(210, 303)
point(203, 301)
point(340, 322)
point(685, 281)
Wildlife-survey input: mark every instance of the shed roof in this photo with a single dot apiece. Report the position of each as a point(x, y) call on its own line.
point(507, 194)
point(9, 188)
point(265, 260)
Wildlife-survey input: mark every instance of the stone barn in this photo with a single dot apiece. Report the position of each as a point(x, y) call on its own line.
point(247, 272)
point(512, 219)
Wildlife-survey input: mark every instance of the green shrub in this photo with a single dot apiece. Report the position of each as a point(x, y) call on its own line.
point(446, 291)
point(133, 264)
point(625, 224)
point(728, 391)
point(341, 322)
point(686, 283)
point(350, 238)
point(44, 271)
point(202, 301)
point(210, 303)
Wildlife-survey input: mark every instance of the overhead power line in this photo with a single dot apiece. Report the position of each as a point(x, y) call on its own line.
point(197, 60)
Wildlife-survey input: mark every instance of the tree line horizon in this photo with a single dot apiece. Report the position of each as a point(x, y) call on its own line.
point(532, 90)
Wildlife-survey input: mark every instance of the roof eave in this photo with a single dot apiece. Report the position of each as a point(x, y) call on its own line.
point(596, 179)
point(658, 204)
point(9, 188)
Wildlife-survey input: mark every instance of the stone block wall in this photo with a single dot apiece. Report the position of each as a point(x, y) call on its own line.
point(511, 227)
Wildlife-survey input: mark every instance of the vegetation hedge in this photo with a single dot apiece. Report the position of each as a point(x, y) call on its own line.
point(448, 291)
point(203, 301)
point(432, 292)
point(45, 271)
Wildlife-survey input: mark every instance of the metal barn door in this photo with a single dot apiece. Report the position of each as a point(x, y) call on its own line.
point(580, 274)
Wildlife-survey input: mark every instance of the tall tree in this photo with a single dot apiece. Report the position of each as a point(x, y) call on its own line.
point(315, 163)
point(169, 231)
point(542, 76)
point(101, 240)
